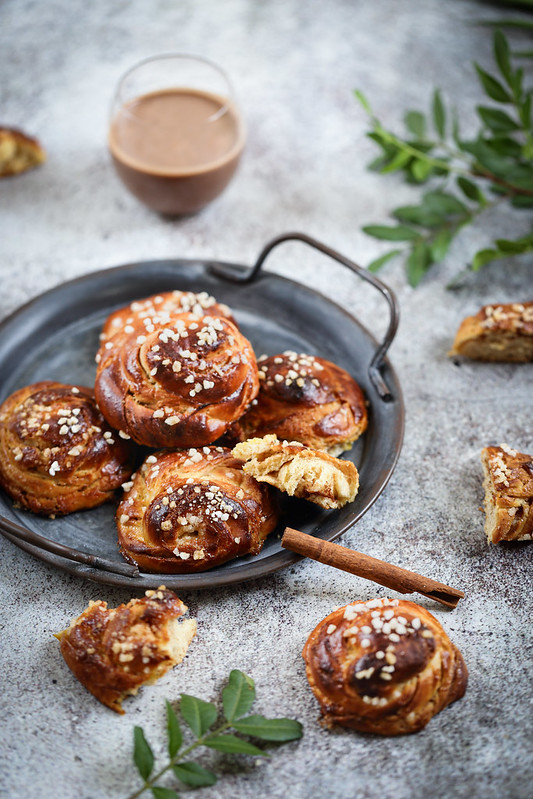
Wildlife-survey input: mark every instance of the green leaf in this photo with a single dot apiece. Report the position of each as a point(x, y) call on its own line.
point(232, 744)
point(397, 162)
point(441, 202)
point(373, 266)
point(521, 201)
point(270, 729)
point(142, 754)
point(421, 170)
point(483, 257)
point(194, 775)
point(505, 146)
point(418, 215)
point(493, 87)
point(418, 263)
point(441, 244)
point(518, 78)
point(439, 114)
point(515, 247)
point(502, 55)
point(471, 190)
point(175, 737)
point(415, 122)
point(525, 112)
point(364, 102)
point(158, 792)
point(198, 714)
point(238, 696)
point(386, 233)
point(497, 120)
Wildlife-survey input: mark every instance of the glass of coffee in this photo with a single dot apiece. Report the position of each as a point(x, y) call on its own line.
point(176, 134)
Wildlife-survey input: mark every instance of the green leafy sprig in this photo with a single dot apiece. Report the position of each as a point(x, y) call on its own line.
point(238, 697)
point(467, 176)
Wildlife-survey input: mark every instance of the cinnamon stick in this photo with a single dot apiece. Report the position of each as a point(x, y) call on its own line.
point(401, 580)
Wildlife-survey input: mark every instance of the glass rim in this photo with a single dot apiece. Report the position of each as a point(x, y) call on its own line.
point(123, 103)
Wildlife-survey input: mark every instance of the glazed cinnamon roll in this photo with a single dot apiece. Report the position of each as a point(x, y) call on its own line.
point(300, 471)
point(508, 488)
point(308, 399)
point(179, 385)
point(384, 666)
point(57, 453)
point(113, 652)
point(158, 310)
point(187, 511)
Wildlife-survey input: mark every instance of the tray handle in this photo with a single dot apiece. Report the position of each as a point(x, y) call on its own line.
point(236, 276)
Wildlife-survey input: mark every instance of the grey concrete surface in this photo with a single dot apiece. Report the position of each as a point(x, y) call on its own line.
point(294, 65)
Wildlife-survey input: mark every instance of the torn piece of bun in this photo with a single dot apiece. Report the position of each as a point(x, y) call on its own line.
point(18, 152)
point(114, 651)
point(508, 488)
point(299, 470)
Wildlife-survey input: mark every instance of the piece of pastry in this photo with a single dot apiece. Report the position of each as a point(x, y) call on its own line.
point(113, 652)
point(385, 666)
point(178, 385)
point(497, 333)
point(299, 471)
point(57, 454)
point(508, 488)
point(159, 309)
point(187, 511)
point(308, 399)
point(18, 152)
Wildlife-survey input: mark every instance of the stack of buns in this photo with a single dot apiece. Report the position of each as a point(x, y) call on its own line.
point(175, 374)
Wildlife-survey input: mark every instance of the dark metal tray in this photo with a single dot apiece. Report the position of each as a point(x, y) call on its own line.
point(55, 337)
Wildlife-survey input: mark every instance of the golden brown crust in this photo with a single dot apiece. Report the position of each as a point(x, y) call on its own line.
point(189, 511)
point(497, 333)
point(508, 488)
point(299, 470)
point(18, 152)
point(160, 309)
point(308, 399)
point(113, 652)
point(57, 454)
point(384, 666)
point(178, 385)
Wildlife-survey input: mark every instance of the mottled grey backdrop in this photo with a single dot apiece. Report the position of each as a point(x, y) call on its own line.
point(294, 65)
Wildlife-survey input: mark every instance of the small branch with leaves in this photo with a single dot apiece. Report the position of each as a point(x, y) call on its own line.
point(467, 176)
point(238, 697)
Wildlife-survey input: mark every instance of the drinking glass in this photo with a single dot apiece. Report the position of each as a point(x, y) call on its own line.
point(176, 133)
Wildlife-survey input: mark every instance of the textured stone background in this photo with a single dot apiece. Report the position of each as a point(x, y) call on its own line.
point(295, 65)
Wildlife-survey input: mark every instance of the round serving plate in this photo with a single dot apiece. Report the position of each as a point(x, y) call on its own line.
point(55, 337)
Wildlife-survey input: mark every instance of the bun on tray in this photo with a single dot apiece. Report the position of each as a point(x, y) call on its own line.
point(497, 333)
point(308, 399)
point(385, 666)
point(113, 652)
point(179, 384)
point(508, 488)
point(299, 470)
point(187, 511)
point(57, 453)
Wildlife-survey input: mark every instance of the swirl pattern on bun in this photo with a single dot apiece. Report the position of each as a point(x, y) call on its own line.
point(385, 666)
point(179, 385)
point(57, 454)
point(308, 399)
point(187, 511)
